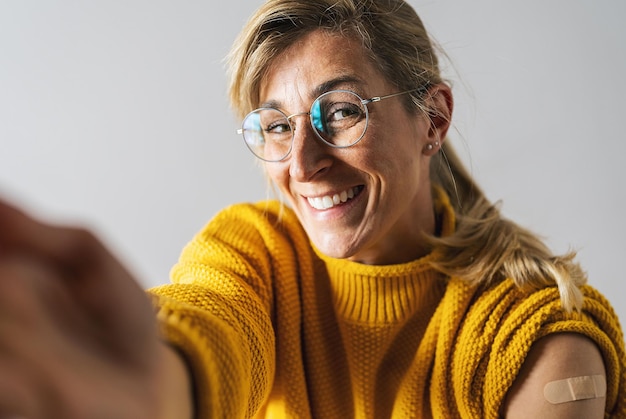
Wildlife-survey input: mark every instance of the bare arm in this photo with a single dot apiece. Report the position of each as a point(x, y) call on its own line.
point(555, 357)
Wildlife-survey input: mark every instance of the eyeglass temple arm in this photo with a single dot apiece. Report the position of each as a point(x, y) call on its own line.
point(379, 98)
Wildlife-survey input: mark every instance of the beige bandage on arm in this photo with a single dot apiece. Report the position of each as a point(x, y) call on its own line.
point(575, 388)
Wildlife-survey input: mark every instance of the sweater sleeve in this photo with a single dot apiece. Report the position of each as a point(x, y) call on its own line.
point(218, 310)
point(502, 325)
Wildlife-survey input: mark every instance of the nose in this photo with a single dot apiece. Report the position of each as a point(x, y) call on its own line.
point(309, 156)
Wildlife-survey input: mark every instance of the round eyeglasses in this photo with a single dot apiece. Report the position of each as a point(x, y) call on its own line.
point(339, 118)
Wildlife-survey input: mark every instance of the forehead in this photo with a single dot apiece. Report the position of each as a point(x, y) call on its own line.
point(318, 62)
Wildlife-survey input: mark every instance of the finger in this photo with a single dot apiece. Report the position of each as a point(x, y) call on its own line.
point(97, 280)
point(71, 248)
point(56, 257)
point(17, 230)
point(76, 252)
point(33, 299)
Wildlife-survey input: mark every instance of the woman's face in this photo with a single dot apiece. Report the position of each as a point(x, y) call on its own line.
point(383, 179)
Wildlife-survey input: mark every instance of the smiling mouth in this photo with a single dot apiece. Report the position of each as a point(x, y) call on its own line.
point(329, 201)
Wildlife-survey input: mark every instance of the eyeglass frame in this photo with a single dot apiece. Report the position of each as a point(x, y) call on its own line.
point(288, 118)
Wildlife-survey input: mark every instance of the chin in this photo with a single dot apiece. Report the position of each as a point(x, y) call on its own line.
point(332, 250)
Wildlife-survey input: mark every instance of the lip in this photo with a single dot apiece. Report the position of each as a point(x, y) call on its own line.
point(336, 209)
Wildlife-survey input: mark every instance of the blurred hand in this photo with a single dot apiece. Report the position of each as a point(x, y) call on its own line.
point(77, 333)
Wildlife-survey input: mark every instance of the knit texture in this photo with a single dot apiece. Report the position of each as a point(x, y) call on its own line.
point(272, 328)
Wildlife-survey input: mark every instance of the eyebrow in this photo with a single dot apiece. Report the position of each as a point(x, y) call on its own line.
point(320, 89)
point(334, 83)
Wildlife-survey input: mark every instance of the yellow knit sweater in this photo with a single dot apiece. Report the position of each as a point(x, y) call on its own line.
point(273, 329)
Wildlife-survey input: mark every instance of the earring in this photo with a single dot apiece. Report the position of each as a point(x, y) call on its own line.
point(431, 146)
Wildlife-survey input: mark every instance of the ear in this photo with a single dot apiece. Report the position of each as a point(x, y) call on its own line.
point(439, 104)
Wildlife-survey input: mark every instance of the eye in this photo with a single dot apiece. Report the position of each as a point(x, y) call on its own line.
point(343, 115)
point(338, 112)
point(276, 125)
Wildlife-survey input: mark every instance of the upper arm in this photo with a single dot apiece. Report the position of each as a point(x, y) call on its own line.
point(555, 357)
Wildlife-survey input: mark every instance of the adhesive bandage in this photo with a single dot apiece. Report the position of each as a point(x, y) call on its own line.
point(575, 388)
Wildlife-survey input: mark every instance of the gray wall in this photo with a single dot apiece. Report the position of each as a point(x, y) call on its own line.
point(113, 115)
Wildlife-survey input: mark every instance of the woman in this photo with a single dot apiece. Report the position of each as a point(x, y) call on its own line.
point(387, 286)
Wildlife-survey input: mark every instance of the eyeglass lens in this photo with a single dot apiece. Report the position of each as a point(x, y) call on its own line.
point(339, 118)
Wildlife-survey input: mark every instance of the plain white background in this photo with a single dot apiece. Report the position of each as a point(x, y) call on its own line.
point(113, 115)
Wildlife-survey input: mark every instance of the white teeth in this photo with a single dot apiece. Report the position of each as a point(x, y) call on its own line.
point(328, 201)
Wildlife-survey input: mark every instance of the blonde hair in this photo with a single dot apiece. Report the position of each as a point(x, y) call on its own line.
point(485, 246)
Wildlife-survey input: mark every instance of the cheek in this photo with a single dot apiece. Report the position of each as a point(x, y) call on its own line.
point(396, 143)
point(278, 175)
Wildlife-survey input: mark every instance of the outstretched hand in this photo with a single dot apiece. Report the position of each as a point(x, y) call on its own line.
point(77, 333)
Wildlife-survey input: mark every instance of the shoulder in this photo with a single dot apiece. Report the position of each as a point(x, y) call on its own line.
point(550, 364)
point(270, 209)
point(273, 211)
point(506, 332)
point(257, 231)
point(259, 218)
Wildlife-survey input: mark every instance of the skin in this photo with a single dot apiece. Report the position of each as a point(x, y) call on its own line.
point(555, 357)
point(385, 223)
point(77, 334)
